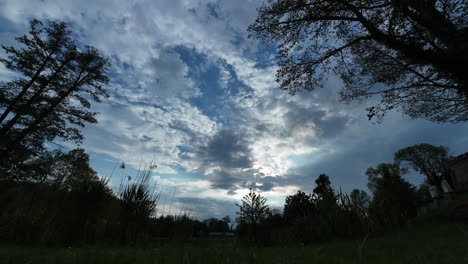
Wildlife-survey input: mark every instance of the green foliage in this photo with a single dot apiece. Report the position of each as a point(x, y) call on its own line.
point(421, 243)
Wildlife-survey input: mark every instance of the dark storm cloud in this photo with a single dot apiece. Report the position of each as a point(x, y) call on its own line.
point(228, 149)
point(225, 180)
point(325, 127)
point(234, 180)
point(229, 156)
point(262, 186)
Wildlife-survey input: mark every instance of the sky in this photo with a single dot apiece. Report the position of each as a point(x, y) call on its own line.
point(192, 92)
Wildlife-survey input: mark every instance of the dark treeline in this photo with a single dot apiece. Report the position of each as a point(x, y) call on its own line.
point(327, 214)
point(63, 201)
point(68, 203)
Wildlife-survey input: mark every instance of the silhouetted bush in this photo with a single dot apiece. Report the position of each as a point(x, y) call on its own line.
point(394, 199)
point(67, 203)
point(326, 214)
point(70, 204)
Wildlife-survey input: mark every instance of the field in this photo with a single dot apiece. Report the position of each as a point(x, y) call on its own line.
point(420, 242)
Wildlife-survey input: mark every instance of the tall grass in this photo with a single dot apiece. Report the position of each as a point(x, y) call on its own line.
point(138, 204)
point(421, 243)
point(64, 211)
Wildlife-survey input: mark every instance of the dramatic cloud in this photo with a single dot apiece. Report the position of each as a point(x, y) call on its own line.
point(191, 91)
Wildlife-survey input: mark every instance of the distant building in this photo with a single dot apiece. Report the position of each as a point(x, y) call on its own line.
point(441, 197)
point(459, 167)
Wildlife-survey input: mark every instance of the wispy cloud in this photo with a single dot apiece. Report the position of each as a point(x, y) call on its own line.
point(189, 89)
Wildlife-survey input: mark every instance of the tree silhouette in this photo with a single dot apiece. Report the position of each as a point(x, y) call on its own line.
point(394, 199)
point(410, 52)
point(227, 220)
point(300, 204)
point(359, 199)
point(252, 214)
point(51, 98)
point(70, 170)
point(253, 209)
point(323, 191)
point(216, 225)
point(432, 161)
point(383, 170)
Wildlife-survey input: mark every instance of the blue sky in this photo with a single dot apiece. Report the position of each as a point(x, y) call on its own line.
point(190, 90)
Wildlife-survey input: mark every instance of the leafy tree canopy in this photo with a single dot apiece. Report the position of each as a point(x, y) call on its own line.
point(51, 97)
point(383, 171)
point(411, 53)
point(300, 204)
point(253, 209)
point(323, 190)
point(394, 199)
point(426, 159)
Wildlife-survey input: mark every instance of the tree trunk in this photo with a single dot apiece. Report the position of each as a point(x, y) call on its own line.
point(25, 89)
point(33, 127)
point(21, 112)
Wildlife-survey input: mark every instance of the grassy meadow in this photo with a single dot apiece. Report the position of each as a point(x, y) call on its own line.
point(423, 241)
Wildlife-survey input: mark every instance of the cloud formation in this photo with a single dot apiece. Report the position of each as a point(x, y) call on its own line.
point(191, 90)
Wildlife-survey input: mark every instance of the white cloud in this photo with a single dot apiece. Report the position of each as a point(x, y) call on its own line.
point(152, 112)
point(149, 114)
point(135, 133)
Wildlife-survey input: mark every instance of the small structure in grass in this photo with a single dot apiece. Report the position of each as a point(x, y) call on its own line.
point(459, 178)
